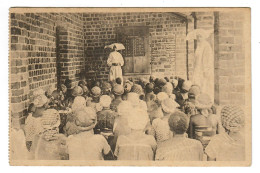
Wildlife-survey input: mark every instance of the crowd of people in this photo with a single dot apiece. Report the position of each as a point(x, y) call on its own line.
point(155, 119)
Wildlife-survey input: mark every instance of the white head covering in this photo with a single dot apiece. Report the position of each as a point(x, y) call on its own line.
point(86, 116)
point(133, 98)
point(186, 85)
point(175, 82)
point(167, 88)
point(169, 105)
point(105, 101)
point(79, 103)
point(202, 32)
point(39, 98)
point(136, 120)
point(162, 96)
point(124, 108)
point(203, 101)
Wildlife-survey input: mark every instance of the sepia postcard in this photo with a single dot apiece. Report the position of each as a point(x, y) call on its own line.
point(130, 87)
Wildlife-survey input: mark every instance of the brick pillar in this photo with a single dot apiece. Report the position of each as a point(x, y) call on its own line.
point(191, 50)
point(230, 58)
point(216, 56)
point(180, 51)
point(70, 47)
point(63, 60)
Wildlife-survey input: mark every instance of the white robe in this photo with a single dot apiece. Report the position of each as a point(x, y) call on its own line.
point(115, 71)
point(203, 74)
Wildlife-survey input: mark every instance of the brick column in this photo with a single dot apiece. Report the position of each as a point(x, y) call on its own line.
point(230, 58)
point(70, 44)
point(191, 50)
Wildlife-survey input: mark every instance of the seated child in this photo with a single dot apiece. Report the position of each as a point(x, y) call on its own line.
point(160, 128)
point(85, 145)
point(230, 145)
point(182, 94)
point(33, 121)
point(56, 101)
point(138, 90)
point(86, 92)
point(174, 83)
point(106, 117)
point(93, 102)
point(71, 127)
point(136, 102)
point(204, 125)
point(149, 94)
point(119, 81)
point(106, 88)
point(189, 105)
point(49, 144)
point(127, 88)
point(121, 125)
point(179, 147)
point(76, 91)
point(117, 90)
point(136, 145)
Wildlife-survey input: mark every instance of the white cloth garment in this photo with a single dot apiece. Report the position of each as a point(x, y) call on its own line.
point(203, 74)
point(18, 150)
point(87, 146)
point(115, 71)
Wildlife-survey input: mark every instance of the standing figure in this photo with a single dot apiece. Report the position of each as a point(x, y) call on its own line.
point(115, 61)
point(203, 74)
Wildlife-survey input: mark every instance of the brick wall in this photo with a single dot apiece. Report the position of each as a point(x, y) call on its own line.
point(167, 41)
point(79, 40)
point(230, 54)
point(70, 45)
point(32, 58)
point(33, 55)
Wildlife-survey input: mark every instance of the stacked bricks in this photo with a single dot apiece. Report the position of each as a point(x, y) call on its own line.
point(70, 43)
point(167, 41)
point(33, 62)
point(231, 58)
point(79, 40)
point(32, 59)
point(191, 49)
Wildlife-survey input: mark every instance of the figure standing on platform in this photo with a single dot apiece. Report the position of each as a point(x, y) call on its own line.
point(115, 61)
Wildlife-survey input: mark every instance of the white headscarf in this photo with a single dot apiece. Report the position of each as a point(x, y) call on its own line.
point(79, 103)
point(39, 98)
point(202, 32)
point(105, 101)
point(137, 120)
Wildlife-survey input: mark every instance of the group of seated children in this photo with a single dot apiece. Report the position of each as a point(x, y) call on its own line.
point(154, 119)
